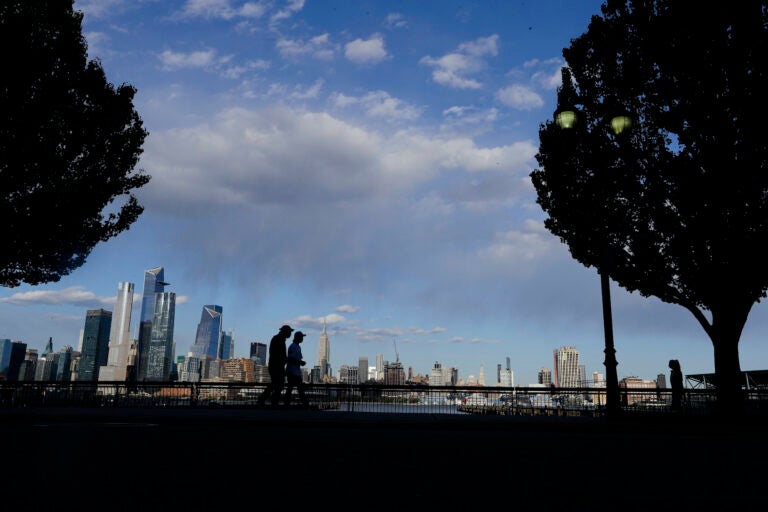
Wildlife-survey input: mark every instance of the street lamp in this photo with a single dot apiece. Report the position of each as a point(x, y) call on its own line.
point(566, 118)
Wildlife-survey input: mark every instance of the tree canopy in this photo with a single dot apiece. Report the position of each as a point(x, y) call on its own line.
point(676, 206)
point(69, 145)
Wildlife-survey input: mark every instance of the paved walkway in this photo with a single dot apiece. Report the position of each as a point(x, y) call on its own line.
point(198, 459)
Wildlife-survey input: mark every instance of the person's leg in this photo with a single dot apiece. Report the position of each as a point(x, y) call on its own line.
point(278, 384)
point(289, 390)
point(264, 395)
point(302, 396)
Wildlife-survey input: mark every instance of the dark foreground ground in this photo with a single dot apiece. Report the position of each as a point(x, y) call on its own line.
point(189, 460)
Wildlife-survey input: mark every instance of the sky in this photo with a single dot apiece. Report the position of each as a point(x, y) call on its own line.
point(362, 166)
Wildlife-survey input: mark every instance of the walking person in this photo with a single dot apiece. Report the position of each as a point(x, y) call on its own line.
point(276, 367)
point(676, 381)
point(293, 370)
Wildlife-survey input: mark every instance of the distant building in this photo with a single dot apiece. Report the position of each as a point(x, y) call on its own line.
point(161, 346)
point(95, 347)
point(259, 353)
point(545, 377)
point(362, 369)
point(566, 362)
point(117, 360)
point(324, 354)
point(154, 284)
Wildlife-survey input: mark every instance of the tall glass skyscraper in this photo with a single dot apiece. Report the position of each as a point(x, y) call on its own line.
point(154, 283)
point(160, 350)
point(208, 336)
point(94, 353)
point(116, 367)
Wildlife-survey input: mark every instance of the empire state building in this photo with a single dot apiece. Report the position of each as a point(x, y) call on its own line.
point(324, 354)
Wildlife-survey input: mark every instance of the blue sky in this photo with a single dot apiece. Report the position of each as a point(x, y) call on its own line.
point(364, 164)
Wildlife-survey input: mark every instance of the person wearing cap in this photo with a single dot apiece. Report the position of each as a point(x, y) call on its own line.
point(293, 370)
point(276, 367)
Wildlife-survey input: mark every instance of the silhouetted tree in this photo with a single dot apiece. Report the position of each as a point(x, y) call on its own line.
point(69, 142)
point(677, 206)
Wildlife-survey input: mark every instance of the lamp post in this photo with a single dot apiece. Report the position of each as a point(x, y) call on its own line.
point(566, 119)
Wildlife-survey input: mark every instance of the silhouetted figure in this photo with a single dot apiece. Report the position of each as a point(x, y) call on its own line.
point(293, 370)
point(276, 367)
point(676, 381)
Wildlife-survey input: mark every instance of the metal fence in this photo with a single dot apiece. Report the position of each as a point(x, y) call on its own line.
point(376, 398)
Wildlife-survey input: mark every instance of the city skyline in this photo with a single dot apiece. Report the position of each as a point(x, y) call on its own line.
point(360, 166)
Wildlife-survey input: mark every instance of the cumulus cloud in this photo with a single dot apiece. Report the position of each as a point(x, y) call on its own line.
point(520, 97)
point(366, 51)
point(379, 104)
point(222, 9)
point(319, 47)
point(284, 189)
point(452, 70)
point(201, 59)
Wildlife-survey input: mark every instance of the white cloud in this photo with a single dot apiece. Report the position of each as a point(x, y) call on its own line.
point(370, 51)
point(395, 20)
point(292, 8)
point(451, 70)
point(319, 47)
point(519, 97)
point(222, 9)
point(72, 296)
point(379, 104)
point(203, 59)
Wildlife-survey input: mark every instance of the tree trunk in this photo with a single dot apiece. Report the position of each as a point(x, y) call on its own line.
point(727, 324)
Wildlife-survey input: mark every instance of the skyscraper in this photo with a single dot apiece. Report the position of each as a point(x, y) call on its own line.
point(160, 349)
point(17, 351)
point(154, 283)
point(94, 353)
point(116, 367)
point(566, 361)
point(324, 353)
point(362, 369)
point(380, 367)
point(208, 335)
point(5, 356)
point(259, 353)
point(227, 346)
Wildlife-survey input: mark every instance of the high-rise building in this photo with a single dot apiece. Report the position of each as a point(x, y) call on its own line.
point(380, 367)
point(154, 283)
point(567, 373)
point(324, 354)
point(259, 353)
point(161, 347)
point(481, 380)
point(227, 346)
point(28, 365)
point(116, 368)
point(15, 350)
point(437, 375)
point(5, 356)
point(94, 352)
point(209, 332)
point(46, 369)
point(545, 377)
point(507, 378)
point(362, 369)
point(64, 363)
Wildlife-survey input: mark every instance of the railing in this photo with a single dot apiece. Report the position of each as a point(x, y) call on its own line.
point(377, 398)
